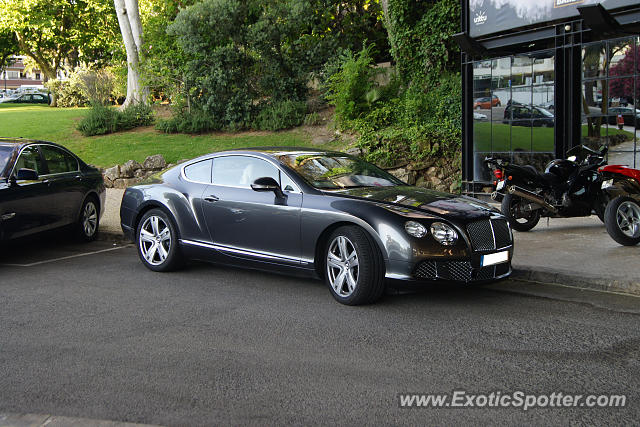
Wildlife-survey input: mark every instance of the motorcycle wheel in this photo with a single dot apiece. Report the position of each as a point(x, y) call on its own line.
point(519, 221)
point(622, 219)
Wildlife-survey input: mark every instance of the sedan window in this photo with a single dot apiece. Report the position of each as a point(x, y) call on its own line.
point(242, 171)
point(5, 153)
point(29, 159)
point(58, 160)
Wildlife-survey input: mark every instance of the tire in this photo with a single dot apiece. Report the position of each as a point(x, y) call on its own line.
point(89, 220)
point(622, 219)
point(518, 221)
point(345, 245)
point(157, 242)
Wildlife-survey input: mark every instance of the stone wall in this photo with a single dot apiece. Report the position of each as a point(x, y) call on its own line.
point(132, 173)
point(437, 174)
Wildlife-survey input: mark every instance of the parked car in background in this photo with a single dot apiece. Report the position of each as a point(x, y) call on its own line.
point(524, 115)
point(478, 116)
point(486, 102)
point(44, 186)
point(315, 213)
point(631, 116)
point(550, 105)
point(28, 98)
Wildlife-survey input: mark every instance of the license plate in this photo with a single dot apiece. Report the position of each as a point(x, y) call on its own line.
point(500, 186)
point(606, 184)
point(492, 259)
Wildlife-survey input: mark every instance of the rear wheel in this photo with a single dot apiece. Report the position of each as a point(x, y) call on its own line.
point(157, 242)
point(354, 268)
point(87, 225)
point(622, 219)
point(520, 220)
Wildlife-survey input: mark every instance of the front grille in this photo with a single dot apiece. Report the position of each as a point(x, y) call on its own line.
point(501, 232)
point(458, 271)
point(489, 234)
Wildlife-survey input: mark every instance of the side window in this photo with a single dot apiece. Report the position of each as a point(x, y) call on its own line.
point(287, 183)
point(29, 159)
point(58, 161)
point(199, 172)
point(241, 171)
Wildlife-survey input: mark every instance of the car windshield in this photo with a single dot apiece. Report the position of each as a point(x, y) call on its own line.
point(5, 153)
point(335, 171)
point(544, 112)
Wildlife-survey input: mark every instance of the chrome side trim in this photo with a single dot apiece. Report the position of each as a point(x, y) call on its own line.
point(238, 251)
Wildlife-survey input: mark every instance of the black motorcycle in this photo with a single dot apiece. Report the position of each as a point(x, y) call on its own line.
point(569, 187)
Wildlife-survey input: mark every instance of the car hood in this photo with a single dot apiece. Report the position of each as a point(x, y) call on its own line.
point(421, 199)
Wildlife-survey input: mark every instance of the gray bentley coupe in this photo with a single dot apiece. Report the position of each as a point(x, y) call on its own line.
point(316, 213)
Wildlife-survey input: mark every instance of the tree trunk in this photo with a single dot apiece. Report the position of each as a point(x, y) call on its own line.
point(131, 29)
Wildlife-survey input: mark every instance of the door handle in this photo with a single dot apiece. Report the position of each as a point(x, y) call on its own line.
point(211, 198)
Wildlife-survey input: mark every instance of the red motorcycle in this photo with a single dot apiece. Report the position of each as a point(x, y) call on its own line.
point(622, 216)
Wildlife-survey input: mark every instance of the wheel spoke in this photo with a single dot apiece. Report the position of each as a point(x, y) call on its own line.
point(162, 252)
point(351, 282)
point(151, 252)
point(145, 236)
point(165, 234)
point(338, 283)
point(154, 225)
point(342, 245)
point(334, 262)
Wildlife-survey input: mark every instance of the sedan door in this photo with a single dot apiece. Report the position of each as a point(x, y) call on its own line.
point(252, 224)
point(26, 206)
point(65, 182)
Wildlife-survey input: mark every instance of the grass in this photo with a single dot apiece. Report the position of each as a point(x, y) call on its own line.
point(507, 138)
point(59, 125)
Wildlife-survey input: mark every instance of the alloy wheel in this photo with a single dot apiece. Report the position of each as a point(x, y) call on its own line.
point(155, 240)
point(89, 219)
point(342, 266)
point(628, 218)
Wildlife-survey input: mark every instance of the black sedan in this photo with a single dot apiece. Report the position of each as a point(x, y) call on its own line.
point(316, 213)
point(27, 98)
point(44, 186)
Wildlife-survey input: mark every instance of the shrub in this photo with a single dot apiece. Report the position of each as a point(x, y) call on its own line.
point(281, 115)
point(96, 86)
point(196, 122)
point(312, 119)
point(68, 92)
point(101, 120)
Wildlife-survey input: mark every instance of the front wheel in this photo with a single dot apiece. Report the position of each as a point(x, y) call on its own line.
point(157, 242)
point(622, 219)
point(520, 220)
point(354, 268)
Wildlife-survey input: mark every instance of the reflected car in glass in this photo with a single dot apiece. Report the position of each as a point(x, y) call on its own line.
point(315, 213)
point(45, 186)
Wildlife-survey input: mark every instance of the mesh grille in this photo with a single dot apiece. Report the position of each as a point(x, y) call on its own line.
point(481, 235)
point(427, 270)
point(459, 271)
point(501, 230)
point(486, 273)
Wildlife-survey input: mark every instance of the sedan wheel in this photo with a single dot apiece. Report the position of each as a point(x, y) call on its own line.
point(157, 241)
point(622, 219)
point(354, 267)
point(88, 223)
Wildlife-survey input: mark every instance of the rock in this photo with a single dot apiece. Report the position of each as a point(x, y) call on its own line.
point(404, 174)
point(422, 182)
point(441, 188)
point(354, 151)
point(432, 171)
point(418, 166)
point(129, 169)
point(440, 175)
point(112, 173)
point(436, 181)
point(454, 187)
point(125, 182)
point(155, 162)
point(140, 173)
point(107, 182)
point(171, 165)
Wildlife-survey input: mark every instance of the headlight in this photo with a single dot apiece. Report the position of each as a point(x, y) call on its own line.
point(443, 233)
point(415, 229)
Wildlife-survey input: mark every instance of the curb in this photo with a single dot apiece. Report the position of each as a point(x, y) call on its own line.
point(111, 236)
point(623, 286)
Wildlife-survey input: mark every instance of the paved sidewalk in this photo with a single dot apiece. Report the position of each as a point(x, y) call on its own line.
point(574, 252)
point(37, 420)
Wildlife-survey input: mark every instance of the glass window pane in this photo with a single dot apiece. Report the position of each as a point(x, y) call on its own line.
point(543, 68)
point(241, 171)
point(592, 92)
point(29, 159)
point(543, 97)
point(521, 135)
point(501, 134)
point(481, 171)
point(481, 135)
point(199, 172)
point(521, 71)
point(622, 57)
point(58, 160)
point(540, 160)
point(621, 91)
point(287, 183)
point(594, 60)
point(594, 132)
point(542, 139)
point(628, 158)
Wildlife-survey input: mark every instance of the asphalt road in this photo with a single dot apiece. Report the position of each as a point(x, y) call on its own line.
point(99, 336)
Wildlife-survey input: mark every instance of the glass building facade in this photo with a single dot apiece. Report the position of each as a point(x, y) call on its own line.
point(530, 95)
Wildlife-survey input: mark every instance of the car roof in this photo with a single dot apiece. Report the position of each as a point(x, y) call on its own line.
point(19, 142)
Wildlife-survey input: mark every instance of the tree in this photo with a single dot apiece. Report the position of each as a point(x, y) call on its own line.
point(131, 28)
point(627, 66)
point(8, 47)
point(60, 33)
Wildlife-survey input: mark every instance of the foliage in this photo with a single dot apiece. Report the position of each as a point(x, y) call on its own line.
point(421, 40)
point(197, 121)
point(97, 86)
point(395, 123)
point(68, 92)
point(281, 115)
point(101, 119)
point(57, 32)
point(312, 119)
point(627, 66)
point(8, 46)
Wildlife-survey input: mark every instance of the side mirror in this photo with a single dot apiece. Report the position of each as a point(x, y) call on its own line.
point(267, 184)
point(26, 175)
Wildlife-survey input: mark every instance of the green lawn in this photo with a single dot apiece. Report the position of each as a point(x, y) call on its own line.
point(506, 138)
point(59, 125)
